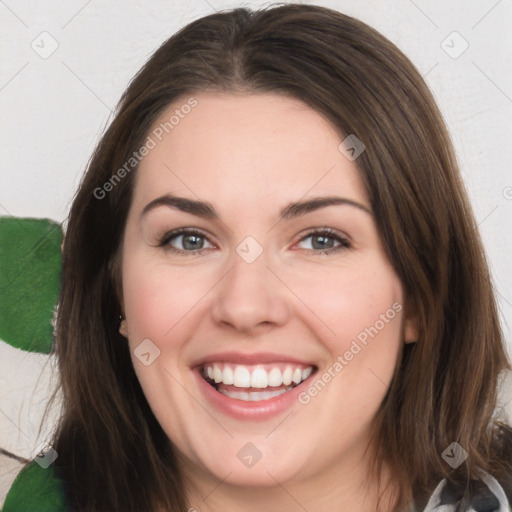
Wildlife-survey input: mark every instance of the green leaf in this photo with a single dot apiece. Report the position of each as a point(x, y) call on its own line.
point(30, 266)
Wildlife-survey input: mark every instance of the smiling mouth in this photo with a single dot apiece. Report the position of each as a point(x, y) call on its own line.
point(252, 383)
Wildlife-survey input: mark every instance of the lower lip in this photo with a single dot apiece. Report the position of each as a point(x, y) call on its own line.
point(250, 411)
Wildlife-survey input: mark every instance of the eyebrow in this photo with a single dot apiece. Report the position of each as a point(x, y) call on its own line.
point(292, 210)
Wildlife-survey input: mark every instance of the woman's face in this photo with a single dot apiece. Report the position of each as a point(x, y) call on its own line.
point(270, 285)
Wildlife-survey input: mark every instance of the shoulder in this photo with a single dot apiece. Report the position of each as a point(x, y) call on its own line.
point(35, 488)
point(503, 452)
point(488, 496)
point(487, 493)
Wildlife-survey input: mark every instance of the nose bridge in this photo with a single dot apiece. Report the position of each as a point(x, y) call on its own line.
point(250, 295)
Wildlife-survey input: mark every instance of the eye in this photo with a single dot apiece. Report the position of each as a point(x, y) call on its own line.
point(325, 241)
point(185, 241)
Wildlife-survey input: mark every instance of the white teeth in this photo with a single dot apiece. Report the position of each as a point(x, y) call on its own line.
point(306, 373)
point(259, 378)
point(242, 377)
point(255, 376)
point(240, 395)
point(254, 396)
point(287, 376)
point(297, 375)
point(227, 375)
point(275, 378)
point(217, 374)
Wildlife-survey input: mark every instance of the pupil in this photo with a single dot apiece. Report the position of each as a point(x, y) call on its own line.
point(195, 243)
point(324, 242)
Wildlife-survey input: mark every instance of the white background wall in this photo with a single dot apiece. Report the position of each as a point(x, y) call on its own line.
point(54, 109)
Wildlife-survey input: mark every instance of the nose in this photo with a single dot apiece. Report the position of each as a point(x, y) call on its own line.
point(250, 298)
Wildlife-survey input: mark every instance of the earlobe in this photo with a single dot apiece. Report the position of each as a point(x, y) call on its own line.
point(411, 331)
point(123, 328)
point(411, 324)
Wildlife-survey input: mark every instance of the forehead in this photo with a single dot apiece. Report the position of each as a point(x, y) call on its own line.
point(247, 147)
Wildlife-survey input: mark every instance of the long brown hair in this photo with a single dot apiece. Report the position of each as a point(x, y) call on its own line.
point(113, 454)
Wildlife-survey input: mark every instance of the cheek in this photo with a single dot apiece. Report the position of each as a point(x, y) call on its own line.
point(362, 309)
point(353, 302)
point(157, 296)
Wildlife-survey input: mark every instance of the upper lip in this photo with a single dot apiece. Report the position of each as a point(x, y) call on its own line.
point(249, 359)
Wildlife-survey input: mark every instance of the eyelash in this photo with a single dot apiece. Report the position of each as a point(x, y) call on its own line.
point(326, 232)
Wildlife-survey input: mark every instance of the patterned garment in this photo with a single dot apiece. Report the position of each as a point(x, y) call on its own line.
point(490, 498)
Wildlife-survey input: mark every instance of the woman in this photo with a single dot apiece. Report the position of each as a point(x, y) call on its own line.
point(274, 296)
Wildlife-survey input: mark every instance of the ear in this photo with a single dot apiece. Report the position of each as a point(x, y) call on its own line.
point(123, 328)
point(115, 275)
point(411, 322)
